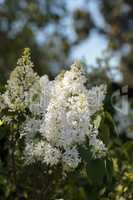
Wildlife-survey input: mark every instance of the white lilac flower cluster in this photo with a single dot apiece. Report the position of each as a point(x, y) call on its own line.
point(66, 108)
point(21, 81)
point(60, 117)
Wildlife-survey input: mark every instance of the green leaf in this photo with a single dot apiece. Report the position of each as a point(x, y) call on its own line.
point(85, 153)
point(96, 171)
point(107, 128)
point(105, 133)
point(109, 120)
point(109, 169)
point(97, 121)
point(1, 122)
point(2, 134)
point(128, 148)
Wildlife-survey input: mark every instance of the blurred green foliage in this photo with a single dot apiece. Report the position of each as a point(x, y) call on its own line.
point(44, 26)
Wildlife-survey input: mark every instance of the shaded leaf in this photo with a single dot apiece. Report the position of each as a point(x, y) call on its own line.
point(96, 171)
